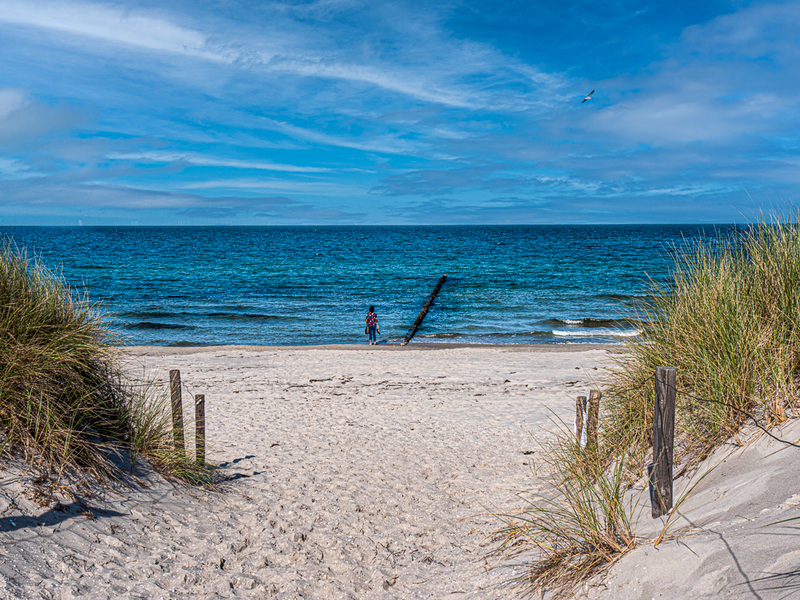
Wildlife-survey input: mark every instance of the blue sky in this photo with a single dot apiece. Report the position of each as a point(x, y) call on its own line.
point(342, 112)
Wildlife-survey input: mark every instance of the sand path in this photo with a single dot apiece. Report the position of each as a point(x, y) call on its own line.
point(353, 473)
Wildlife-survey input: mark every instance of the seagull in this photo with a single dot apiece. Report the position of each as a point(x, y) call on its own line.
point(589, 97)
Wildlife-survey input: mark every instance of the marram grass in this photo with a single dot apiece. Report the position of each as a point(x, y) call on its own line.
point(574, 528)
point(729, 321)
point(63, 401)
point(730, 324)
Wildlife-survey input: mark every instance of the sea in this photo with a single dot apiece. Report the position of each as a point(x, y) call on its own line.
point(287, 286)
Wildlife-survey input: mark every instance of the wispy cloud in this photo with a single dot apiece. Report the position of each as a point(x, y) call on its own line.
point(207, 161)
point(381, 143)
point(111, 23)
point(22, 199)
point(444, 81)
point(276, 186)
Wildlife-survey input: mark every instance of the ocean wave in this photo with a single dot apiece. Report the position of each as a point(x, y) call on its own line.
point(597, 332)
point(623, 297)
point(487, 338)
point(591, 323)
point(222, 315)
point(146, 314)
point(149, 325)
point(440, 336)
point(232, 316)
point(626, 299)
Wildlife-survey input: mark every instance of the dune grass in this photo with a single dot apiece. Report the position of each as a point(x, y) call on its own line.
point(575, 527)
point(730, 322)
point(64, 403)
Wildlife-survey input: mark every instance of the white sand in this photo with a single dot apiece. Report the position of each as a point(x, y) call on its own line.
point(731, 545)
point(370, 473)
point(354, 473)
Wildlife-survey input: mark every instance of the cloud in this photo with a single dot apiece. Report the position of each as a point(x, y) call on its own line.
point(465, 74)
point(383, 143)
point(690, 112)
point(206, 161)
point(11, 99)
point(331, 101)
point(23, 119)
point(729, 80)
point(11, 168)
point(116, 204)
point(767, 30)
point(110, 23)
point(328, 189)
point(496, 178)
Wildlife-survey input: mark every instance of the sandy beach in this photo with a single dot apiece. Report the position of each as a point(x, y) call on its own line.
point(357, 472)
point(352, 472)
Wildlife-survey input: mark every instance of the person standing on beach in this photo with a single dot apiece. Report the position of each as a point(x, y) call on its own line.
point(372, 326)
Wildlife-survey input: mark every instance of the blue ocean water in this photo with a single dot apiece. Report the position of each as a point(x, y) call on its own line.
point(313, 285)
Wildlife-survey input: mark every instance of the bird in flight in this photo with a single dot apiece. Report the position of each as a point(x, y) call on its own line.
point(588, 97)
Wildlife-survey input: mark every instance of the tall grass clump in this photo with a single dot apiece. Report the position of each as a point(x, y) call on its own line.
point(63, 401)
point(730, 322)
point(574, 528)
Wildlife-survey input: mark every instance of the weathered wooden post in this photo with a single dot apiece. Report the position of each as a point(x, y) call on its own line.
point(413, 329)
point(593, 413)
point(200, 429)
point(663, 441)
point(580, 407)
point(177, 410)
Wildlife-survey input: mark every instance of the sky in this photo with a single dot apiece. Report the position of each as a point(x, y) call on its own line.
point(340, 112)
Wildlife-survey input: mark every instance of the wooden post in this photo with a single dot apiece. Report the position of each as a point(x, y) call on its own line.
point(200, 429)
point(593, 413)
point(663, 441)
point(177, 410)
point(413, 329)
point(580, 407)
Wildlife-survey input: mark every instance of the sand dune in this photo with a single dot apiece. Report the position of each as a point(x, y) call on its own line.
point(731, 545)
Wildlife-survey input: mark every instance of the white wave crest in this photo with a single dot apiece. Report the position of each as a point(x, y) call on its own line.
point(597, 332)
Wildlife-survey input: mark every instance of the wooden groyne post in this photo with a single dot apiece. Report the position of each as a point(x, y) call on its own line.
point(663, 441)
point(413, 329)
point(177, 410)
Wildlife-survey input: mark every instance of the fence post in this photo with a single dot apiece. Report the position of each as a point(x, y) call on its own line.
point(200, 429)
point(592, 414)
point(580, 407)
point(177, 410)
point(663, 441)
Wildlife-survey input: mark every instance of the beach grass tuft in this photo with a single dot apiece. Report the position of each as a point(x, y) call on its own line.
point(64, 403)
point(573, 529)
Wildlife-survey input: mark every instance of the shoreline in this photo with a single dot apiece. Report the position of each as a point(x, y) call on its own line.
point(364, 347)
